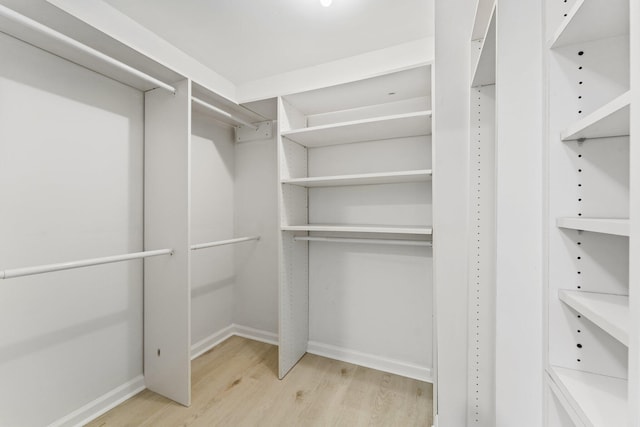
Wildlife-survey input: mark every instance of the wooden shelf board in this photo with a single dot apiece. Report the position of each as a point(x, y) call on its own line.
point(609, 120)
point(592, 20)
point(485, 69)
point(609, 312)
point(362, 179)
point(386, 229)
point(615, 226)
point(394, 126)
point(598, 400)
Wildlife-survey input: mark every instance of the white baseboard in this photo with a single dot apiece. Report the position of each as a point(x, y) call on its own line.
point(99, 406)
point(371, 361)
point(202, 346)
point(256, 334)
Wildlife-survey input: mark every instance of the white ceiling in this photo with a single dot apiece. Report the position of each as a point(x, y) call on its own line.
point(245, 40)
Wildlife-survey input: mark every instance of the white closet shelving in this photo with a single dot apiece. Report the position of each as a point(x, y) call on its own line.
point(589, 226)
point(354, 167)
point(481, 249)
point(166, 101)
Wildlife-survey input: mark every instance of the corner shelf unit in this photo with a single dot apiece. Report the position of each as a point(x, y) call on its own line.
point(589, 312)
point(354, 167)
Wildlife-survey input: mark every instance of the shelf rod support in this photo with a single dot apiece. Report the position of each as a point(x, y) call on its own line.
point(396, 242)
point(223, 242)
point(224, 113)
point(38, 27)
point(28, 271)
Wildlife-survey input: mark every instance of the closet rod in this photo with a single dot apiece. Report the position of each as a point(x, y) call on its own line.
point(27, 271)
point(223, 242)
point(224, 113)
point(357, 240)
point(36, 26)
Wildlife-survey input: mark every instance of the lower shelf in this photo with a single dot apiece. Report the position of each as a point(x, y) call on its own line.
point(342, 228)
point(597, 400)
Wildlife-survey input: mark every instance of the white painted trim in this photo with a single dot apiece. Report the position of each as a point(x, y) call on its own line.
point(358, 67)
point(206, 344)
point(102, 404)
point(256, 334)
point(392, 366)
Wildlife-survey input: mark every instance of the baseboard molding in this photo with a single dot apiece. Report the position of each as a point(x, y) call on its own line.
point(99, 406)
point(256, 334)
point(371, 361)
point(202, 346)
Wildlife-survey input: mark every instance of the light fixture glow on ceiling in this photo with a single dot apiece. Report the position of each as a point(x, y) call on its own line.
point(326, 3)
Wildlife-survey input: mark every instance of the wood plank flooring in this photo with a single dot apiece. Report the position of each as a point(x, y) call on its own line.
point(236, 384)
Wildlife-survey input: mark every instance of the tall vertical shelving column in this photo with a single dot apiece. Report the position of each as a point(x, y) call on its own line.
point(167, 289)
point(588, 258)
point(481, 345)
point(354, 166)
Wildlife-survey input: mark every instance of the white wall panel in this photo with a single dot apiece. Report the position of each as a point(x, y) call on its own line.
point(71, 185)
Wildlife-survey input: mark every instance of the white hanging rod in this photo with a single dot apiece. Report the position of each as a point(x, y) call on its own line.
point(223, 242)
point(224, 113)
point(28, 271)
point(36, 26)
point(371, 241)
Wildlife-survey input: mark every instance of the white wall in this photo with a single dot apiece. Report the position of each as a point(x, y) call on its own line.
point(212, 218)
point(256, 213)
point(71, 188)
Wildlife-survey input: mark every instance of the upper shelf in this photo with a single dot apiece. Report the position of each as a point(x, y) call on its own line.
point(394, 126)
point(609, 120)
point(592, 20)
point(485, 69)
point(615, 226)
point(392, 87)
point(610, 312)
point(342, 228)
point(597, 400)
point(362, 179)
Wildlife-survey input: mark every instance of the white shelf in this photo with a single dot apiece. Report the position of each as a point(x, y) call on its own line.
point(362, 179)
point(485, 69)
point(598, 401)
point(394, 126)
point(616, 226)
point(592, 20)
point(405, 84)
point(609, 120)
point(610, 312)
point(341, 228)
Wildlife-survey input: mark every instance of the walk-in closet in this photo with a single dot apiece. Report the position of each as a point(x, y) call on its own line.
point(319, 213)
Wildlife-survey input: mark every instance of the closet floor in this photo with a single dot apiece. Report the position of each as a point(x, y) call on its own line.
point(236, 384)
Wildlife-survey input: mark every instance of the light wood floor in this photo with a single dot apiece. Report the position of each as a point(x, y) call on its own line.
point(236, 384)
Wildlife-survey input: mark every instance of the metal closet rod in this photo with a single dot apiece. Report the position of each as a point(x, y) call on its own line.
point(224, 113)
point(48, 268)
point(36, 26)
point(223, 242)
point(399, 242)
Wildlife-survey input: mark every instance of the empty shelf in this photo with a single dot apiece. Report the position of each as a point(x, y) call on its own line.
point(616, 226)
point(362, 179)
point(598, 400)
point(608, 121)
point(592, 20)
point(485, 69)
point(610, 312)
point(394, 126)
point(342, 228)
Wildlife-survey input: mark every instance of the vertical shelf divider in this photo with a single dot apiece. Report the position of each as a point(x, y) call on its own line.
point(167, 299)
